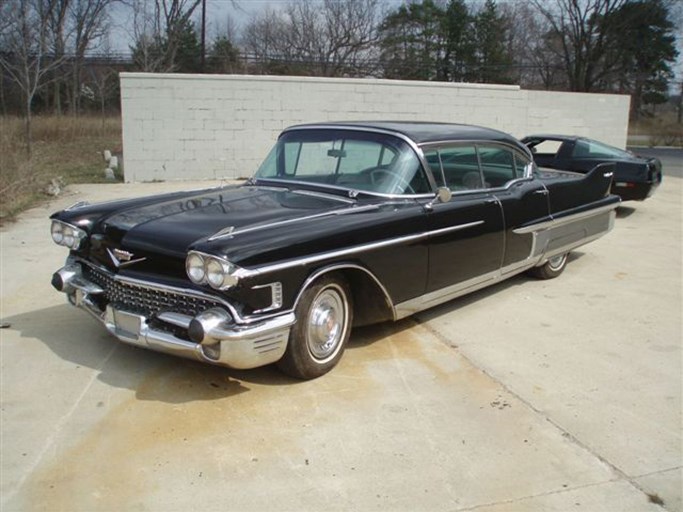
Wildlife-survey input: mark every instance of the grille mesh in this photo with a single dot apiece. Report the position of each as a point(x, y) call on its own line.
point(143, 300)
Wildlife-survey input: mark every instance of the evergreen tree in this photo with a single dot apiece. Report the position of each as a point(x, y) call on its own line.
point(460, 43)
point(223, 57)
point(491, 54)
point(412, 42)
point(644, 47)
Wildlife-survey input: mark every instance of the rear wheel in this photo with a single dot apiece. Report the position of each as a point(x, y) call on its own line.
point(551, 268)
point(317, 340)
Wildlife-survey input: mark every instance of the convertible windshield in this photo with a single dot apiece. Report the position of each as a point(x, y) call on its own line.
point(349, 159)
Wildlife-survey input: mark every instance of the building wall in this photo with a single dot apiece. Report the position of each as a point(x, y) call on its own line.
point(221, 126)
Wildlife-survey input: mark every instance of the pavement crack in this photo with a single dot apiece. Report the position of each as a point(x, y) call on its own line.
point(564, 432)
point(50, 441)
point(539, 495)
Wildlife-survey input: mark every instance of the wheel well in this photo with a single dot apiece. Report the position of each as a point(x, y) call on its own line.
point(371, 303)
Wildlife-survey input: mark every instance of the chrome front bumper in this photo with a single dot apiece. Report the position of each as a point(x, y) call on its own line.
point(223, 342)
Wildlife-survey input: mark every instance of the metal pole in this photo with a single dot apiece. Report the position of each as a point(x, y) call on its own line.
point(203, 61)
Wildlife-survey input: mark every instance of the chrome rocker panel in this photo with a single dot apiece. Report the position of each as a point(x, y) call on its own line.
point(230, 344)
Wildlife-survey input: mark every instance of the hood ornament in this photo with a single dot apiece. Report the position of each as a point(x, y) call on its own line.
point(122, 259)
point(225, 232)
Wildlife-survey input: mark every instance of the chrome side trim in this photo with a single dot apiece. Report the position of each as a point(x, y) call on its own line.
point(548, 242)
point(307, 260)
point(344, 266)
point(555, 222)
point(431, 299)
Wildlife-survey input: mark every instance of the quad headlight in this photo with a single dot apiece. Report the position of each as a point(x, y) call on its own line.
point(67, 235)
point(212, 270)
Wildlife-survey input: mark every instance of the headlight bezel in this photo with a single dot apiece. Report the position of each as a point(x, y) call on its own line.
point(67, 235)
point(199, 264)
point(221, 269)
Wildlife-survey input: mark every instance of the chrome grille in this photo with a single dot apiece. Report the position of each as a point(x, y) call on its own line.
point(143, 300)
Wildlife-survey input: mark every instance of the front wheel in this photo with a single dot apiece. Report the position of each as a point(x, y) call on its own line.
point(317, 340)
point(551, 268)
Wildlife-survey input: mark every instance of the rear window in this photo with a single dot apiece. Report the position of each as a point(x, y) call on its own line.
point(545, 147)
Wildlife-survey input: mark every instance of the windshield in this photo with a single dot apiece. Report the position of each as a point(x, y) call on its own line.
point(355, 160)
point(595, 149)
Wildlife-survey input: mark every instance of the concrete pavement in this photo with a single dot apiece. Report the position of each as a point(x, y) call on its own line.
point(531, 395)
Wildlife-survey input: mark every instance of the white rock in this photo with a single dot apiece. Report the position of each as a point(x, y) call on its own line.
point(113, 162)
point(109, 174)
point(54, 187)
point(107, 155)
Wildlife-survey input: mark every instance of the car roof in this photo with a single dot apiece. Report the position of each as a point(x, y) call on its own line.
point(420, 132)
point(552, 136)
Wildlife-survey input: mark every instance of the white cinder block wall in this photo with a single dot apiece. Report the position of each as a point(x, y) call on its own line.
point(221, 126)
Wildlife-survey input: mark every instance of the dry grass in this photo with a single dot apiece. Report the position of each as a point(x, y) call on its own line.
point(661, 130)
point(65, 148)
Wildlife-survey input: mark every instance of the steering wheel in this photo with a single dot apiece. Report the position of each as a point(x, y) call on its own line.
point(375, 177)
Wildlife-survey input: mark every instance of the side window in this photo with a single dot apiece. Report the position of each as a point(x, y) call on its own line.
point(455, 167)
point(522, 164)
point(497, 164)
point(581, 150)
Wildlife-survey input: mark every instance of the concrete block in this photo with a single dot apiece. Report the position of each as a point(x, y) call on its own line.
point(173, 121)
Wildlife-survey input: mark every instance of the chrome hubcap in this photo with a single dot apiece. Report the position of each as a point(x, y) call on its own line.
point(557, 262)
point(326, 324)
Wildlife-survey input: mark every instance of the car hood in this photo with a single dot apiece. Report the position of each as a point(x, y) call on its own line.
point(172, 226)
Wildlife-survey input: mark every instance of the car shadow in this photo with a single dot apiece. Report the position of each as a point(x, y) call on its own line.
point(624, 212)
point(77, 338)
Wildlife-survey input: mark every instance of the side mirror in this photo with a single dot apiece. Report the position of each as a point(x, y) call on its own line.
point(443, 195)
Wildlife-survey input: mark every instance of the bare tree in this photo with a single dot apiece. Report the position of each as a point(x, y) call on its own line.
point(158, 29)
point(580, 26)
point(264, 37)
point(331, 38)
point(535, 49)
point(101, 79)
point(25, 51)
point(90, 25)
point(59, 36)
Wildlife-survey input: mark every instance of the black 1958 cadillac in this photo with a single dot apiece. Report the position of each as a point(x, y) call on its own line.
point(344, 224)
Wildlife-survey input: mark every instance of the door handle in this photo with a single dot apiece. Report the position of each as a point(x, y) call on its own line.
point(541, 191)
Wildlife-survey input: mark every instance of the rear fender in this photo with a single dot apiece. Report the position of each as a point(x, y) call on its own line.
point(576, 191)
